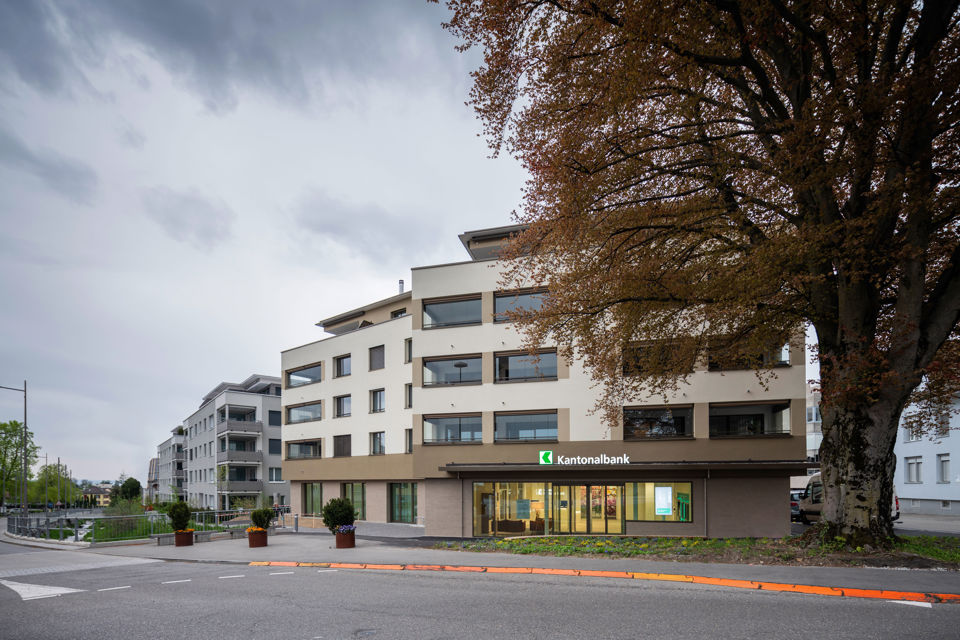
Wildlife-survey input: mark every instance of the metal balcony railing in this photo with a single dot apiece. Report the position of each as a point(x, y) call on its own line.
point(250, 486)
point(239, 456)
point(240, 426)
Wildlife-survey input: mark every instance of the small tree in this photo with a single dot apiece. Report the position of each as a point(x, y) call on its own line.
point(261, 517)
point(338, 512)
point(130, 489)
point(179, 514)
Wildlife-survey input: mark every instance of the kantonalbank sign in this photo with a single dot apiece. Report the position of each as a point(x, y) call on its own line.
point(547, 457)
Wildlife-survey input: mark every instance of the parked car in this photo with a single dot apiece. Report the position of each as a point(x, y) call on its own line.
point(795, 497)
point(811, 502)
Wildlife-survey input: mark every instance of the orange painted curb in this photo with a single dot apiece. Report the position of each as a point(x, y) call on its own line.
point(660, 577)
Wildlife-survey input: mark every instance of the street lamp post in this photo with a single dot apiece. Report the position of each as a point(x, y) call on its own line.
point(23, 443)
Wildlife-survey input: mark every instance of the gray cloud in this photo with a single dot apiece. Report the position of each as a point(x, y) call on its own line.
point(189, 216)
point(214, 48)
point(364, 228)
point(130, 135)
point(70, 178)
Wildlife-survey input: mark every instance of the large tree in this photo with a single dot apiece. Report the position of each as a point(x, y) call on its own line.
point(714, 175)
point(11, 459)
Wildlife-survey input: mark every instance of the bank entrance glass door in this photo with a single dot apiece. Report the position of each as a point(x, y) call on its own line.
point(587, 509)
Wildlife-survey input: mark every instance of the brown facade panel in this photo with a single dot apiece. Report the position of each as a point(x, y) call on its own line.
point(748, 506)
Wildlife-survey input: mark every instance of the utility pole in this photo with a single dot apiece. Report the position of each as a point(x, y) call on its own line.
point(58, 481)
point(46, 474)
point(23, 447)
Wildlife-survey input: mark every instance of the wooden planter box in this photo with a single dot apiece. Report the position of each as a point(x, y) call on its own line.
point(346, 540)
point(183, 538)
point(257, 539)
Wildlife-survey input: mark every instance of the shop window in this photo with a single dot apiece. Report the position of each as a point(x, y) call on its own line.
point(403, 502)
point(658, 501)
point(356, 493)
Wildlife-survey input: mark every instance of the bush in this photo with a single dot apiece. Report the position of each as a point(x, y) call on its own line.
point(337, 512)
point(179, 516)
point(261, 517)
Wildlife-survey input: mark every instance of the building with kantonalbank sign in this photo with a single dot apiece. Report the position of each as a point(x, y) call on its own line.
point(423, 408)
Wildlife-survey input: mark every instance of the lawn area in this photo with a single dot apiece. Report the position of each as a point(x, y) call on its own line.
point(907, 551)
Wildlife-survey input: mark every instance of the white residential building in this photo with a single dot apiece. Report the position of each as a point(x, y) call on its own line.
point(926, 482)
point(171, 466)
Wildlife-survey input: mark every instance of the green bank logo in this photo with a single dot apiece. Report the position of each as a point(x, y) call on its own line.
point(546, 457)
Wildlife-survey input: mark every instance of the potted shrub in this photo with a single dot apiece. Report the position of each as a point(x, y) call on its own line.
point(257, 534)
point(179, 514)
point(338, 516)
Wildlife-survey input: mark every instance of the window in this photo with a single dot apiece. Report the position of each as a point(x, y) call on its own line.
point(452, 429)
point(911, 435)
point(376, 401)
point(398, 313)
point(341, 406)
point(463, 370)
point(408, 350)
point(356, 493)
point(813, 414)
point(403, 502)
point(304, 413)
point(341, 366)
point(341, 446)
point(776, 357)
point(408, 396)
point(275, 474)
point(523, 367)
point(297, 450)
point(658, 501)
point(312, 497)
point(516, 427)
point(665, 422)
point(408, 440)
point(656, 355)
point(273, 418)
point(307, 375)
point(943, 468)
point(913, 469)
point(275, 446)
point(377, 446)
point(503, 303)
point(749, 420)
point(376, 358)
point(451, 313)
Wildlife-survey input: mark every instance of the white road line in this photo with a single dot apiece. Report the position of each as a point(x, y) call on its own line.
point(225, 577)
point(325, 570)
point(176, 581)
point(280, 573)
point(925, 605)
point(114, 588)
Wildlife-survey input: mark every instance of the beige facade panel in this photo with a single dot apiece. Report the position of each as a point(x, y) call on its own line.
point(443, 508)
point(350, 469)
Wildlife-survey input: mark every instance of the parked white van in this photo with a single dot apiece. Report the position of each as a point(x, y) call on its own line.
point(811, 502)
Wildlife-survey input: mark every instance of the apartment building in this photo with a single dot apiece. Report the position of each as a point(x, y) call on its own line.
point(152, 487)
point(423, 408)
point(232, 446)
point(171, 466)
point(925, 481)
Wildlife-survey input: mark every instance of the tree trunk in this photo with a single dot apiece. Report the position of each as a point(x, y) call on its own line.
point(857, 466)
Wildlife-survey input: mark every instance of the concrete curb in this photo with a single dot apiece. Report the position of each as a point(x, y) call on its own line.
point(881, 594)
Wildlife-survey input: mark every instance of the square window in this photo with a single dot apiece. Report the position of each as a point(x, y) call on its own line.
point(913, 469)
point(341, 446)
point(376, 358)
point(341, 366)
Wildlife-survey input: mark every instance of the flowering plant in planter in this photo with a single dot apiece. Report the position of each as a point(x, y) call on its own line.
point(254, 529)
point(346, 528)
point(338, 512)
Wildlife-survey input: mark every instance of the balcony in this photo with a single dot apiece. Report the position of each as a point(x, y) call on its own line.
point(253, 457)
point(240, 426)
point(241, 486)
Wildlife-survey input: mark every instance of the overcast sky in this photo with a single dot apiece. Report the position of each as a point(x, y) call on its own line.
point(187, 187)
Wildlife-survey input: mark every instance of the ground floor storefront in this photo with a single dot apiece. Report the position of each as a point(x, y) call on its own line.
point(472, 502)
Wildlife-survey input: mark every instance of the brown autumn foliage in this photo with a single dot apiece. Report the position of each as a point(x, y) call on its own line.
point(723, 173)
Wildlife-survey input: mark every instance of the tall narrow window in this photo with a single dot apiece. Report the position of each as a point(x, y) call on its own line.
point(356, 493)
point(377, 443)
point(376, 358)
point(341, 366)
point(943, 468)
point(341, 406)
point(408, 396)
point(377, 401)
point(408, 440)
point(403, 502)
point(914, 469)
point(408, 349)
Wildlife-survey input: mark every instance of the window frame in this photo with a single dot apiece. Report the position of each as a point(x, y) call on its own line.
point(289, 372)
point(378, 443)
point(451, 300)
point(342, 446)
point(459, 358)
point(913, 469)
point(318, 403)
point(338, 406)
point(374, 393)
point(512, 354)
point(688, 424)
point(382, 356)
point(537, 412)
point(453, 416)
point(501, 316)
point(317, 442)
point(338, 362)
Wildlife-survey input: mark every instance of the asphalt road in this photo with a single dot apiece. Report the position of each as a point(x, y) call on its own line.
point(155, 600)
